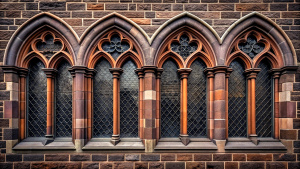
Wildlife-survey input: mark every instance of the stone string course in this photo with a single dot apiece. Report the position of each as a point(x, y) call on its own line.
point(150, 14)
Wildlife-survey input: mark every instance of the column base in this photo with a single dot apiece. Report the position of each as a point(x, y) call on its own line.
point(184, 139)
point(253, 138)
point(115, 139)
point(49, 139)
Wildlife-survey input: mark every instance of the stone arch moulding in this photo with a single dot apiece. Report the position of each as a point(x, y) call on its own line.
point(110, 23)
point(40, 22)
point(116, 47)
point(185, 45)
point(270, 30)
point(252, 46)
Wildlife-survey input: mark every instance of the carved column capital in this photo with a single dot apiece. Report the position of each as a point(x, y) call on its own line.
point(140, 72)
point(116, 72)
point(50, 72)
point(252, 73)
point(159, 72)
point(184, 72)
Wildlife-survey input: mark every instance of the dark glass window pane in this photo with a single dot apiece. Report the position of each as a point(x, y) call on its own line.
point(237, 101)
point(64, 101)
point(264, 101)
point(37, 99)
point(103, 100)
point(129, 96)
point(197, 100)
point(170, 100)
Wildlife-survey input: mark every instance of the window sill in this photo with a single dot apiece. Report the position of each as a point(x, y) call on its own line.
point(105, 144)
point(265, 144)
point(176, 144)
point(37, 144)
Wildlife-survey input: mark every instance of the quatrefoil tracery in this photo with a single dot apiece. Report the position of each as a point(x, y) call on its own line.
point(115, 44)
point(48, 44)
point(184, 46)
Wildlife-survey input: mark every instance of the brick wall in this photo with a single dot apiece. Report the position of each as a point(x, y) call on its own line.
point(150, 14)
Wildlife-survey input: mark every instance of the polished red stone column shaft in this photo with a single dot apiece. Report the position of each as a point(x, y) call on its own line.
point(116, 106)
point(50, 73)
point(276, 76)
point(22, 103)
point(229, 70)
point(184, 73)
point(210, 98)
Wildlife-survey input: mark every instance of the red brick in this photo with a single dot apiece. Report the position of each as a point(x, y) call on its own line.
point(195, 165)
point(202, 157)
point(231, 165)
point(95, 6)
point(167, 157)
point(239, 157)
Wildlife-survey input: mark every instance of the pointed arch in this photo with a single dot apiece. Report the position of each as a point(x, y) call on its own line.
point(55, 60)
point(128, 55)
point(32, 55)
point(38, 22)
point(108, 23)
point(201, 56)
point(269, 28)
point(271, 59)
point(190, 23)
point(246, 60)
point(171, 55)
point(99, 55)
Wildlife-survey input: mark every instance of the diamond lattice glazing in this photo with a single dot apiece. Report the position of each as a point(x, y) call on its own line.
point(170, 100)
point(37, 99)
point(264, 101)
point(64, 101)
point(103, 100)
point(237, 103)
point(129, 96)
point(197, 100)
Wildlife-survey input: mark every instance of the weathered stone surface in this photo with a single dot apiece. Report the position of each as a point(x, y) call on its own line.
point(57, 157)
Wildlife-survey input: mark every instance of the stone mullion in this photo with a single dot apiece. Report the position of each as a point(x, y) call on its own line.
point(141, 103)
point(116, 105)
point(89, 88)
point(50, 74)
point(184, 73)
point(158, 104)
point(226, 99)
point(79, 107)
point(276, 76)
point(210, 111)
point(22, 104)
point(251, 78)
point(149, 107)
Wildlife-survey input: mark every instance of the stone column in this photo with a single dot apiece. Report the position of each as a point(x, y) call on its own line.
point(276, 75)
point(116, 105)
point(158, 76)
point(22, 103)
point(210, 97)
point(251, 76)
point(184, 74)
point(50, 74)
point(149, 108)
point(229, 70)
point(89, 101)
point(79, 107)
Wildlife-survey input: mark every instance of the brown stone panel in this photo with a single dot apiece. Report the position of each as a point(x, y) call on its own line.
point(150, 157)
point(195, 165)
point(239, 157)
point(33, 157)
point(74, 22)
point(296, 123)
point(75, 6)
point(39, 165)
point(259, 157)
point(95, 6)
point(57, 157)
point(231, 165)
point(80, 157)
point(90, 165)
point(132, 157)
point(116, 157)
point(219, 165)
point(252, 165)
point(184, 157)
point(106, 165)
point(284, 157)
point(57, 6)
point(222, 157)
point(141, 165)
point(276, 165)
point(12, 6)
point(167, 157)
point(22, 165)
point(156, 165)
point(293, 165)
point(221, 7)
point(13, 157)
point(124, 165)
point(175, 165)
point(251, 7)
point(288, 134)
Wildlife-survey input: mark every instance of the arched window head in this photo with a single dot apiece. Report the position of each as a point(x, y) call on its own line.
point(45, 45)
point(103, 100)
point(63, 94)
point(37, 99)
point(115, 44)
point(237, 100)
point(170, 100)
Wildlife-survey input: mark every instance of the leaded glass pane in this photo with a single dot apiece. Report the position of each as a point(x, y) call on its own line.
point(103, 100)
point(170, 100)
point(251, 47)
point(37, 99)
point(237, 101)
point(115, 47)
point(184, 48)
point(64, 101)
point(129, 97)
point(197, 100)
point(264, 101)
